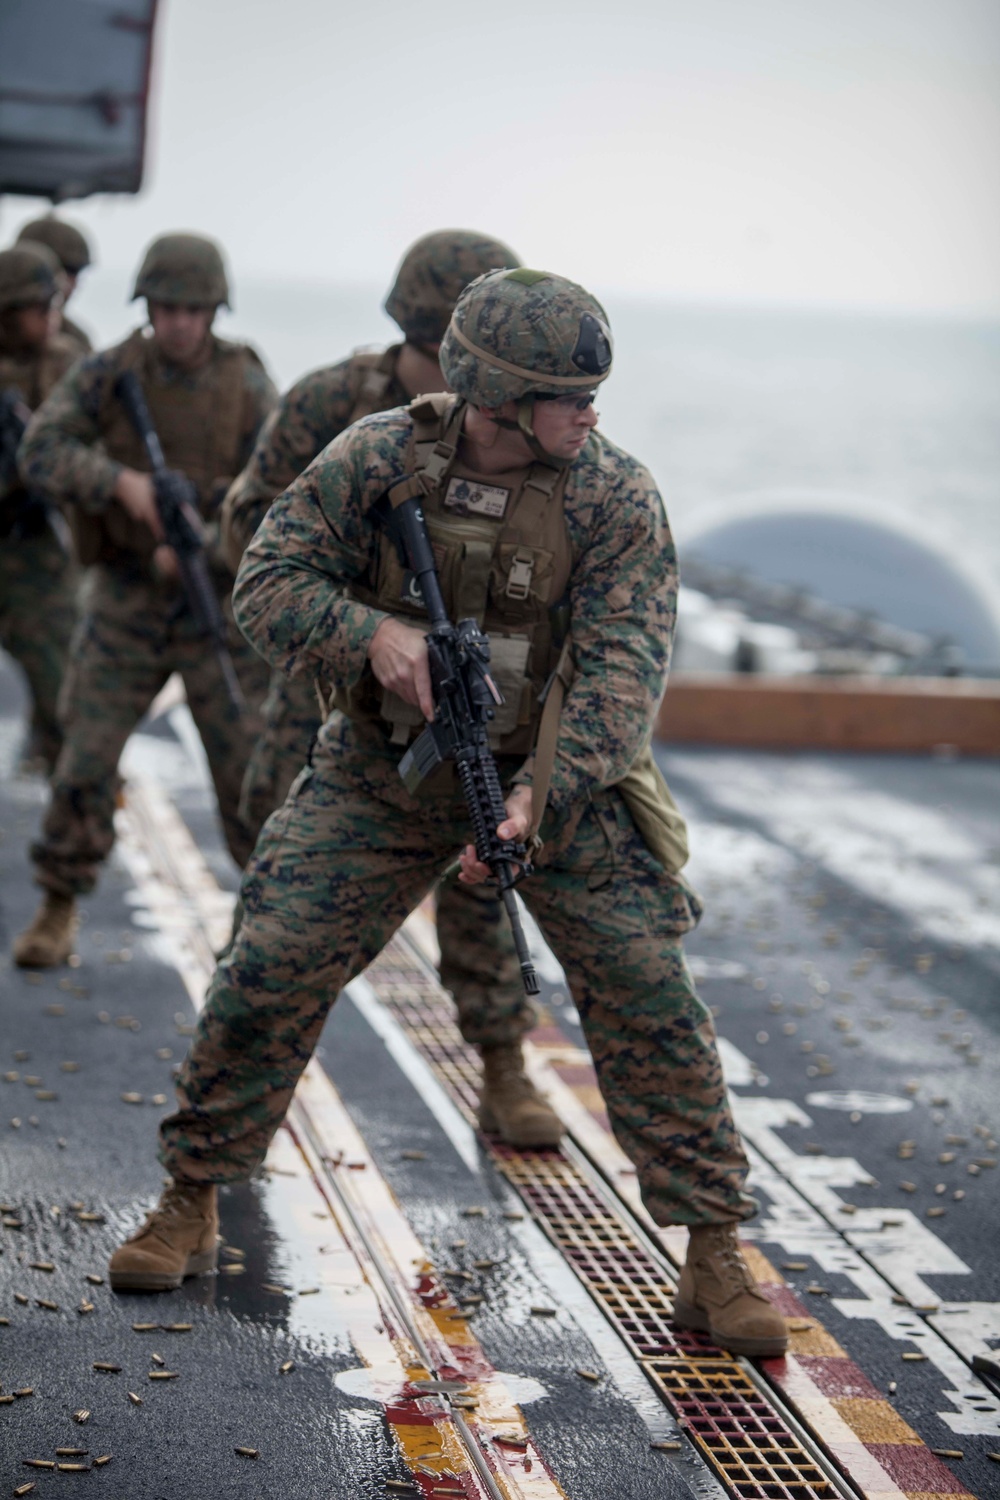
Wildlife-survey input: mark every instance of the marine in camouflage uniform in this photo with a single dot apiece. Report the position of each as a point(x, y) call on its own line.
point(338, 867)
point(478, 963)
point(207, 405)
point(71, 248)
point(38, 579)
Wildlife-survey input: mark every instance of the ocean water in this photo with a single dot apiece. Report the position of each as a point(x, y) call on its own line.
point(735, 411)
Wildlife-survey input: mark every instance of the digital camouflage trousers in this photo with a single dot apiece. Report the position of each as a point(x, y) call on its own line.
point(131, 637)
point(478, 963)
point(38, 607)
point(335, 872)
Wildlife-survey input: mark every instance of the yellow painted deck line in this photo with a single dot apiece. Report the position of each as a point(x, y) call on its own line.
point(170, 870)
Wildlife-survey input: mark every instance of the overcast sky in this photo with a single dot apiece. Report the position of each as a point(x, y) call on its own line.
point(826, 152)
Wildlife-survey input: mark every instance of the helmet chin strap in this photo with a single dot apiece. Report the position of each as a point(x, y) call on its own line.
point(524, 425)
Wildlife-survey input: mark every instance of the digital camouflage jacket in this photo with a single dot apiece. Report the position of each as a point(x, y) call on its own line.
point(293, 597)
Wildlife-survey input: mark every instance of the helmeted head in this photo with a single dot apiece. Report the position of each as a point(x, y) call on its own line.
point(432, 275)
point(67, 243)
point(30, 276)
point(525, 333)
point(183, 270)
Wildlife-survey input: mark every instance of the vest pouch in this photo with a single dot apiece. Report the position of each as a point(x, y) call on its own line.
point(509, 670)
point(654, 812)
point(88, 536)
point(126, 534)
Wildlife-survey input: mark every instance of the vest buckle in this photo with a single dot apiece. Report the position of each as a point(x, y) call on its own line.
point(439, 460)
point(519, 578)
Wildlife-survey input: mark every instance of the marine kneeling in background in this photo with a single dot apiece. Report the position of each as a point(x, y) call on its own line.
point(525, 504)
point(208, 398)
point(478, 964)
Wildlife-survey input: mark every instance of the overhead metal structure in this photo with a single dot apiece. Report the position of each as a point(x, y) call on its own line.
point(74, 90)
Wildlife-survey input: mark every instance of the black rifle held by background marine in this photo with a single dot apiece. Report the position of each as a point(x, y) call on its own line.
point(177, 504)
point(23, 513)
point(465, 698)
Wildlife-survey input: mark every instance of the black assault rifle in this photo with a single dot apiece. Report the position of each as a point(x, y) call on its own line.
point(466, 699)
point(177, 504)
point(23, 513)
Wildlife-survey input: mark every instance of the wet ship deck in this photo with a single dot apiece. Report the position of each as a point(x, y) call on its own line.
point(404, 1309)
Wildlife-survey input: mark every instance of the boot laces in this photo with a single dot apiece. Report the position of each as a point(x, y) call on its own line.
point(176, 1202)
point(505, 1070)
point(724, 1251)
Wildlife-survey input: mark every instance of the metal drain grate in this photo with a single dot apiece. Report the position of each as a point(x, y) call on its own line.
point(745, 1440)
point(616, 1268)
point(736, 1428)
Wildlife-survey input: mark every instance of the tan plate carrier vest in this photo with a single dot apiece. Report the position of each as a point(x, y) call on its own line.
point(504, 558)
point(200, 432)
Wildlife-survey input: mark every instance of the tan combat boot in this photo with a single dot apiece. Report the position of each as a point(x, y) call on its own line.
point(718, 1295)
point(509, 1104)
point(179, 1238)
point(48, 942)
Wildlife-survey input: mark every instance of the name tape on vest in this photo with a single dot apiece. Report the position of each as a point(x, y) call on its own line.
point(470, 498)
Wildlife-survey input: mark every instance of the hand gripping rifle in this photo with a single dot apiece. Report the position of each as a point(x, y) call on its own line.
point(466, 698)
point(177, 504)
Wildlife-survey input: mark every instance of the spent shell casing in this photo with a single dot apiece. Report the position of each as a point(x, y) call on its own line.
point(47, 1304)
point(93, 1279)
point(177, 1327)
point(104, 1458)
point(73, 1468)
point(233, 1269)
point(41, 1265)
point(588, 1375)
point(46, 1095)
point(287, 1367)
point(913, 1356)
point(475, 1213)
point(413, 1156)
point(164, 1374)
point(82, 1416)
point(90, 1218)
point(21, 1299)
point(157, 1359)
point(543, 1312)
point(85, 1307)
point(26, 1390)
point(25, 1489)
point(107, 1367)
point(667, 1446)
point(39, 1463)
point(135, 1400)
point(145, 1327)
point(6, 1400)
point(247, 1452)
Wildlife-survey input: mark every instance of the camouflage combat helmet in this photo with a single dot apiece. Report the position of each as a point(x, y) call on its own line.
point(183, 268)
point(64, 240)
point(432, 275)
point(29, 274)
point(523, 333)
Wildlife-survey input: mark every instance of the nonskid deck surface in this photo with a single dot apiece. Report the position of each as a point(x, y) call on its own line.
point(423, 1365)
